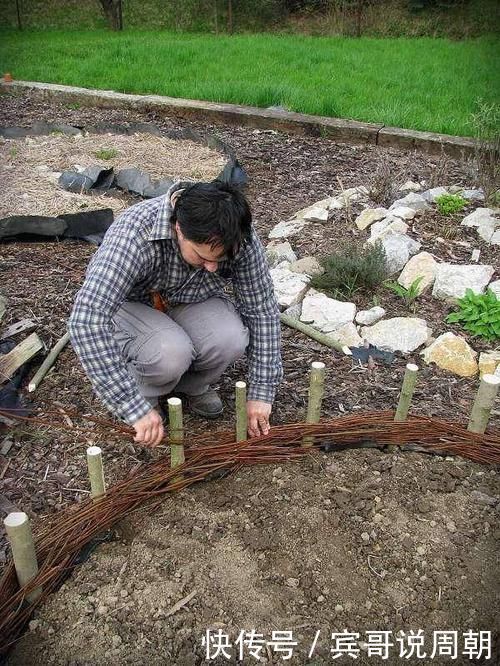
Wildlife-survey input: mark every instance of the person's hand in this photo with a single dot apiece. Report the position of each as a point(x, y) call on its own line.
point(149, 429)
point(258, 413)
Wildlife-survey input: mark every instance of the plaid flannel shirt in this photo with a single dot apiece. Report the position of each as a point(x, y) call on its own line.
point(140, 254)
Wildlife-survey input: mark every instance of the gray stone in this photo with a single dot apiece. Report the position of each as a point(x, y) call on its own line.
point(316, 214)
point(412, 200)
point(398, 249)
point(434, 193)
point(308, 265)
point(289, 228)
point(495, 287)
point(324, 313)
point(477, 495)
point(387, 227)
point(371, 316)
point(486, 223)
point(277, 252)
point(472, 195)
point(404, 334)
point(421, 265)
point(452, 280)
point(289, 287)
point(294, 311)
point(369, 216)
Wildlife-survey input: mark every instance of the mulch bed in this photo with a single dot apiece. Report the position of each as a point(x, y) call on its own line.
point(45, 470)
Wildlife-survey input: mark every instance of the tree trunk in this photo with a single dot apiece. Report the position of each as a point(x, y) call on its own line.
point(113, 12)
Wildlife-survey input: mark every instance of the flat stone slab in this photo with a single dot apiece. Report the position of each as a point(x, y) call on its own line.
point(369, 216)
point(412, 200)
point(452, 280)
point(451, 352)
point(288, 228)
point(404, 334)
point(324, 313)
point(487, 222)
point(371, 316)
point(289, 287)
point(347, 335)
point(277, 252)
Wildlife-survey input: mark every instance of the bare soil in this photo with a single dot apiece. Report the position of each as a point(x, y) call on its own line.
point(358, 540)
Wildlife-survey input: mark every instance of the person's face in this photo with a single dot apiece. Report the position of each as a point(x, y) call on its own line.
point(199, 255)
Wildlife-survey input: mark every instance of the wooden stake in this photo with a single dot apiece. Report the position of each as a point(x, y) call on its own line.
point(10, 362)
point(48, 363)
point(96, 472)
point(406, 394)
point(241, 412)
point(18, 529)
point(483, 404)
point(176, 432)
point(316, 388)
point(314, 334)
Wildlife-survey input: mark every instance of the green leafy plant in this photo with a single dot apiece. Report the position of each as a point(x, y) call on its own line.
point(479, 314)
point(409, 295)
point(450, 203)
point(351, 269)
point(106, 153)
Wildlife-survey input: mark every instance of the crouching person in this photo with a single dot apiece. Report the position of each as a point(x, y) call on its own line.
point(178, 290)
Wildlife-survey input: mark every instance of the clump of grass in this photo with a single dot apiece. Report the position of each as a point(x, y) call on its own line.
point(352, 269)
point(448, 204)
point(382, 187)
point(106, 153)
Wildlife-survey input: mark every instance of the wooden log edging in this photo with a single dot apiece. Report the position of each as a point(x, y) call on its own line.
point(337, 129)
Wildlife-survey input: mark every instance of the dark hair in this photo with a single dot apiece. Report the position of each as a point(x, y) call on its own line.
point(214, 213)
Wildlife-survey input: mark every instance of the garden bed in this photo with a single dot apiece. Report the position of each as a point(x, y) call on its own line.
point(301, 548)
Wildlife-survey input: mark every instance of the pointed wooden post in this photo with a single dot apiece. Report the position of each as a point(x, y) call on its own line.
point(96, 472)
point(241, 412)
point(316, 389)
point(176, 432)
point(18, 529)
point(483, 404)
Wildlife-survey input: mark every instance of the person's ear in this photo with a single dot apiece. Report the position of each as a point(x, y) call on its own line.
point(178, 231)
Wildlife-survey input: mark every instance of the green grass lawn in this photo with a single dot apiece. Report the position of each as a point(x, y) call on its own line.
point(422, 83)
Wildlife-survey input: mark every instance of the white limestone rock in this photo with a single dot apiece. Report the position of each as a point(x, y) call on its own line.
point(289, 287)
point(308, 265)
point(432, 194)
point(486, 222)
point(489, 362)
point(371, 316)
point(495, 287)
point(422, 265)
point(347, 335)
point(452, 280)
point(403, 212)
point(404, 334)
point(277, 252)
point(294, 311)
point(398, 250)
point(472, 195)
point(451, 352)
point(412, 200)
point(387, 227)
point(324, 313)
point(288, 228)
point(369, 216)
point(316, 214)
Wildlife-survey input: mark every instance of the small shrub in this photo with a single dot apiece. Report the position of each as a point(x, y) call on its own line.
point(382, 186)
point(450, 203)
point(486, 130)
point(409, 295)
point(106, 153)
point(479, 314)
point(351, 269)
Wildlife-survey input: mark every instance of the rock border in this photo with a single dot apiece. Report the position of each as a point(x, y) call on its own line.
point(350, 131)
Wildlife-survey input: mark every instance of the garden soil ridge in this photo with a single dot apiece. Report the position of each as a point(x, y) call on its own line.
point(298, 123)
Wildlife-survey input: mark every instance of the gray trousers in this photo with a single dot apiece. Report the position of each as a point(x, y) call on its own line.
point(187, 349)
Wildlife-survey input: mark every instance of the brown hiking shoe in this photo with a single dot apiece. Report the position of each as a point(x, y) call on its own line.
point(208, 404)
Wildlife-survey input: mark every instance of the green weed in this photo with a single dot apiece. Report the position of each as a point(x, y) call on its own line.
point(479, 314)
point(106, 153)
point(409, 295)
point(448, 204)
